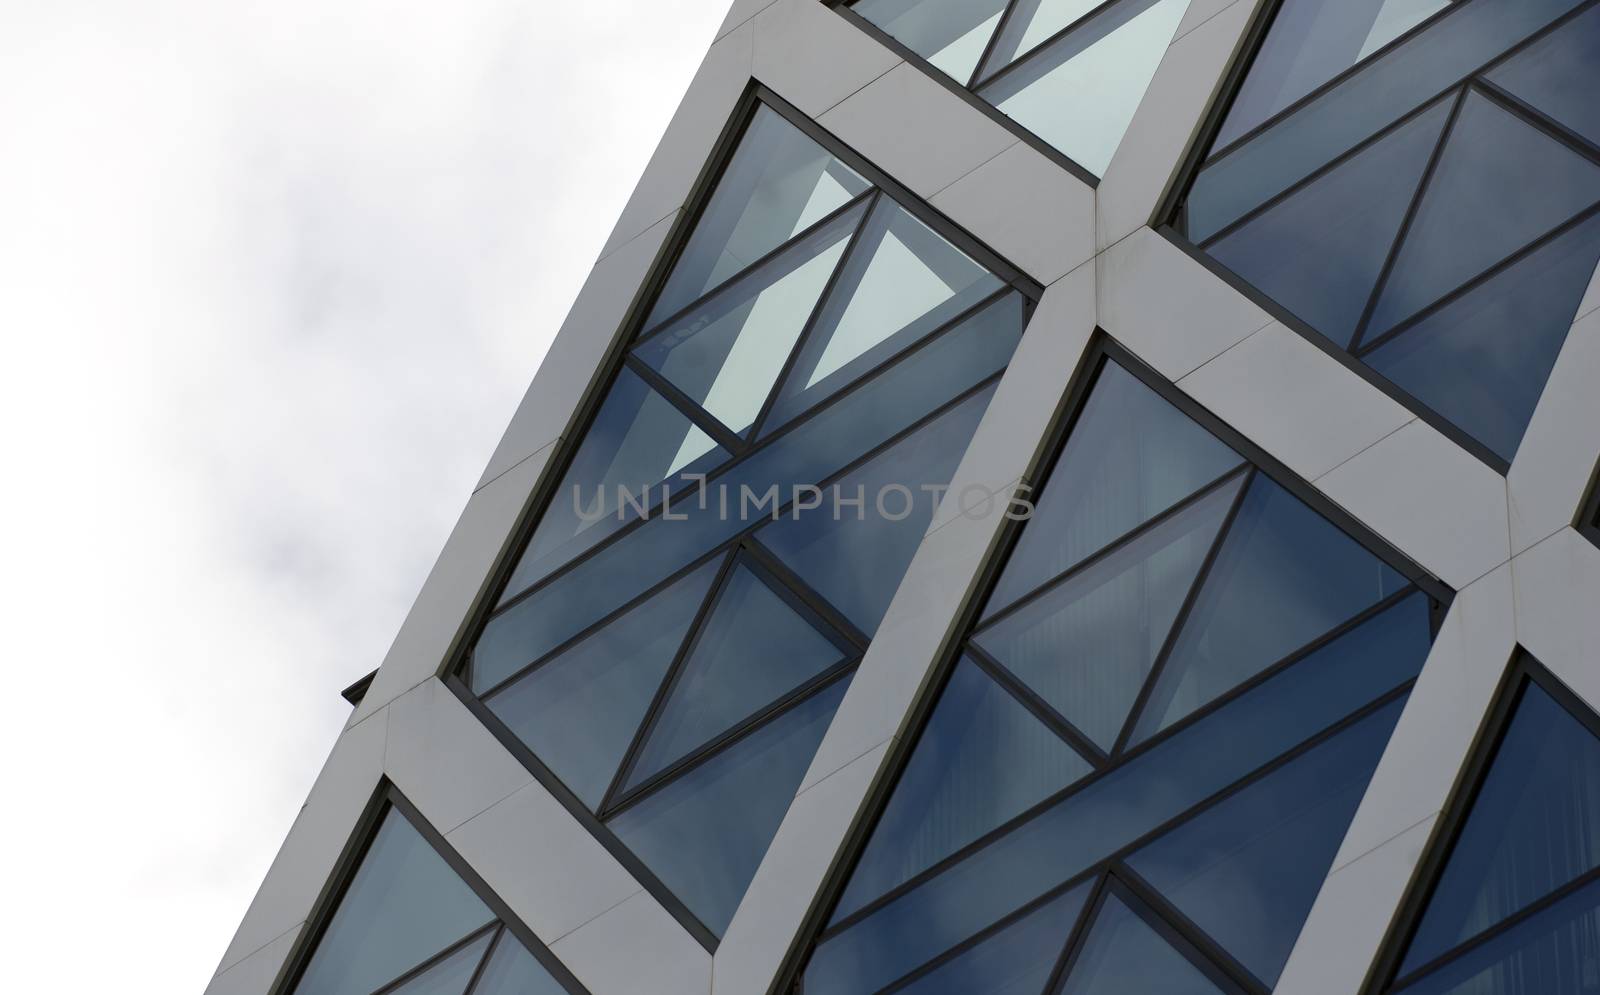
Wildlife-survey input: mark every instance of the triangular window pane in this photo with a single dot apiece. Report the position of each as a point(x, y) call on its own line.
point(778, 183)
point(1557, 74)
point(1131, 456)
point(1123, 956)
point(901, 281)
point(982, 760)
point(950, 34)
point(1482, 360)
point(856, 554)
point(451, 975)
point(1284, 576)
point(1080, 94)
point(1087, 646)
point(1346, 220)
point(1017, 960)
point(404, 905)
point(1247, 869)
point(1534, 827)
point(579, 711)
point(754, 649)
point(1032, 23)
point(512, 970)
point(704, 834)
point(638, 444)
point(1499, 184)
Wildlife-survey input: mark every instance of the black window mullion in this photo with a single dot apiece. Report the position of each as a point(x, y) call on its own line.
point(698, 416)
point(794, 588)
point(1205, 955)
point(1042, 710)
point(1010, 10)
point(483, 964)
point(1031, 54)
point(1173, 918)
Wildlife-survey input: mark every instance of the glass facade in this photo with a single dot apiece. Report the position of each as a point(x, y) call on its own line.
point(1512, 903)
point(725, 539)
point(1589, 518)
point(1416, 184)
point(1151, 742)
point(1070, 73)
point(406, 923)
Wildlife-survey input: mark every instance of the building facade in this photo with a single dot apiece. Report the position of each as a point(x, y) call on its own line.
point(1035, 496)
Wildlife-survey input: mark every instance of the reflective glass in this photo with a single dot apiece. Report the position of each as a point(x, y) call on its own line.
point(638, 443)
point(1283, 577)
point(1131, 456)
point(982, 760)
point(1557, 74)
point(1017, 960)
point(1534, 826)
point(1247, 869)
point(704, 833)
point(1346, 221)
point(754, 649)
point(1123, 955)
point(1080, 94)
point(1032, 23)
point(403, 906)
point(1087, 646)
point(512, 970)
point(1482, 360)
point(856, 556)
point(778, 183)
point(900, 282)
point(727, 353)
point(950, 34)
point(579, 711)
point(1499, 184)
point(451, 975)
point(1556, 952)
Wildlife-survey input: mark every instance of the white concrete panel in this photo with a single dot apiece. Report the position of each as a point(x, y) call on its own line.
point(1350, 917)
point(791, 875)
point(636, 948)
point(1550, 476)
point(1445, 710)
point(916, 131)
point(1168, 119)
point(812, 57)
point(1169, 309)
point(1558, 609)
point(1295, 401)
point(319, 834)
point(1430, 499)
point(459, 578)
point(574, 358)
point(740, 12)
point(690, 137)
point(255, 974)
point(444, 760)
point(1201, 11)
point(1026, 208)
point(544, 864)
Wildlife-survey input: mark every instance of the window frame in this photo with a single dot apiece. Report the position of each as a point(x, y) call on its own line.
point(1589, 518)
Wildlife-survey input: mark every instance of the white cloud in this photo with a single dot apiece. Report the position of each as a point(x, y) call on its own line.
point(272, 278)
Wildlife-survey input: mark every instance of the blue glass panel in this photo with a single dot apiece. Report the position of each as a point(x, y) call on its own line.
point(1032, 23)
point(900, 282)
point(638, 444)
point(1107, 814)
point(1558, 74)
point(1087, 646)
point(982, 760)
point(778, 183)
point(1017, 960)
point(1396, 82)
point(1123, 955)
point(950, 34)
point(579, 711)
point(1284, 576)
point(704, 833)
point(1556, 952)
point(856, 556)
point(512, 970)
point(1130, 457)
point(1247, 869)
point(842, 432)
point(403, 906)
point(726, 353)
point(1499, 184)
point(1534, 826)
point(752, 651)
point(1346, 221)
point(451, 975)
point(1482, 360)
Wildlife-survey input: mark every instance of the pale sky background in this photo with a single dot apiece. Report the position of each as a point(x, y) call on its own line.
point(273, 276)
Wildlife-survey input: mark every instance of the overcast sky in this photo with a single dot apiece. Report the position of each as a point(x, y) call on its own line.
point(273, 276)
